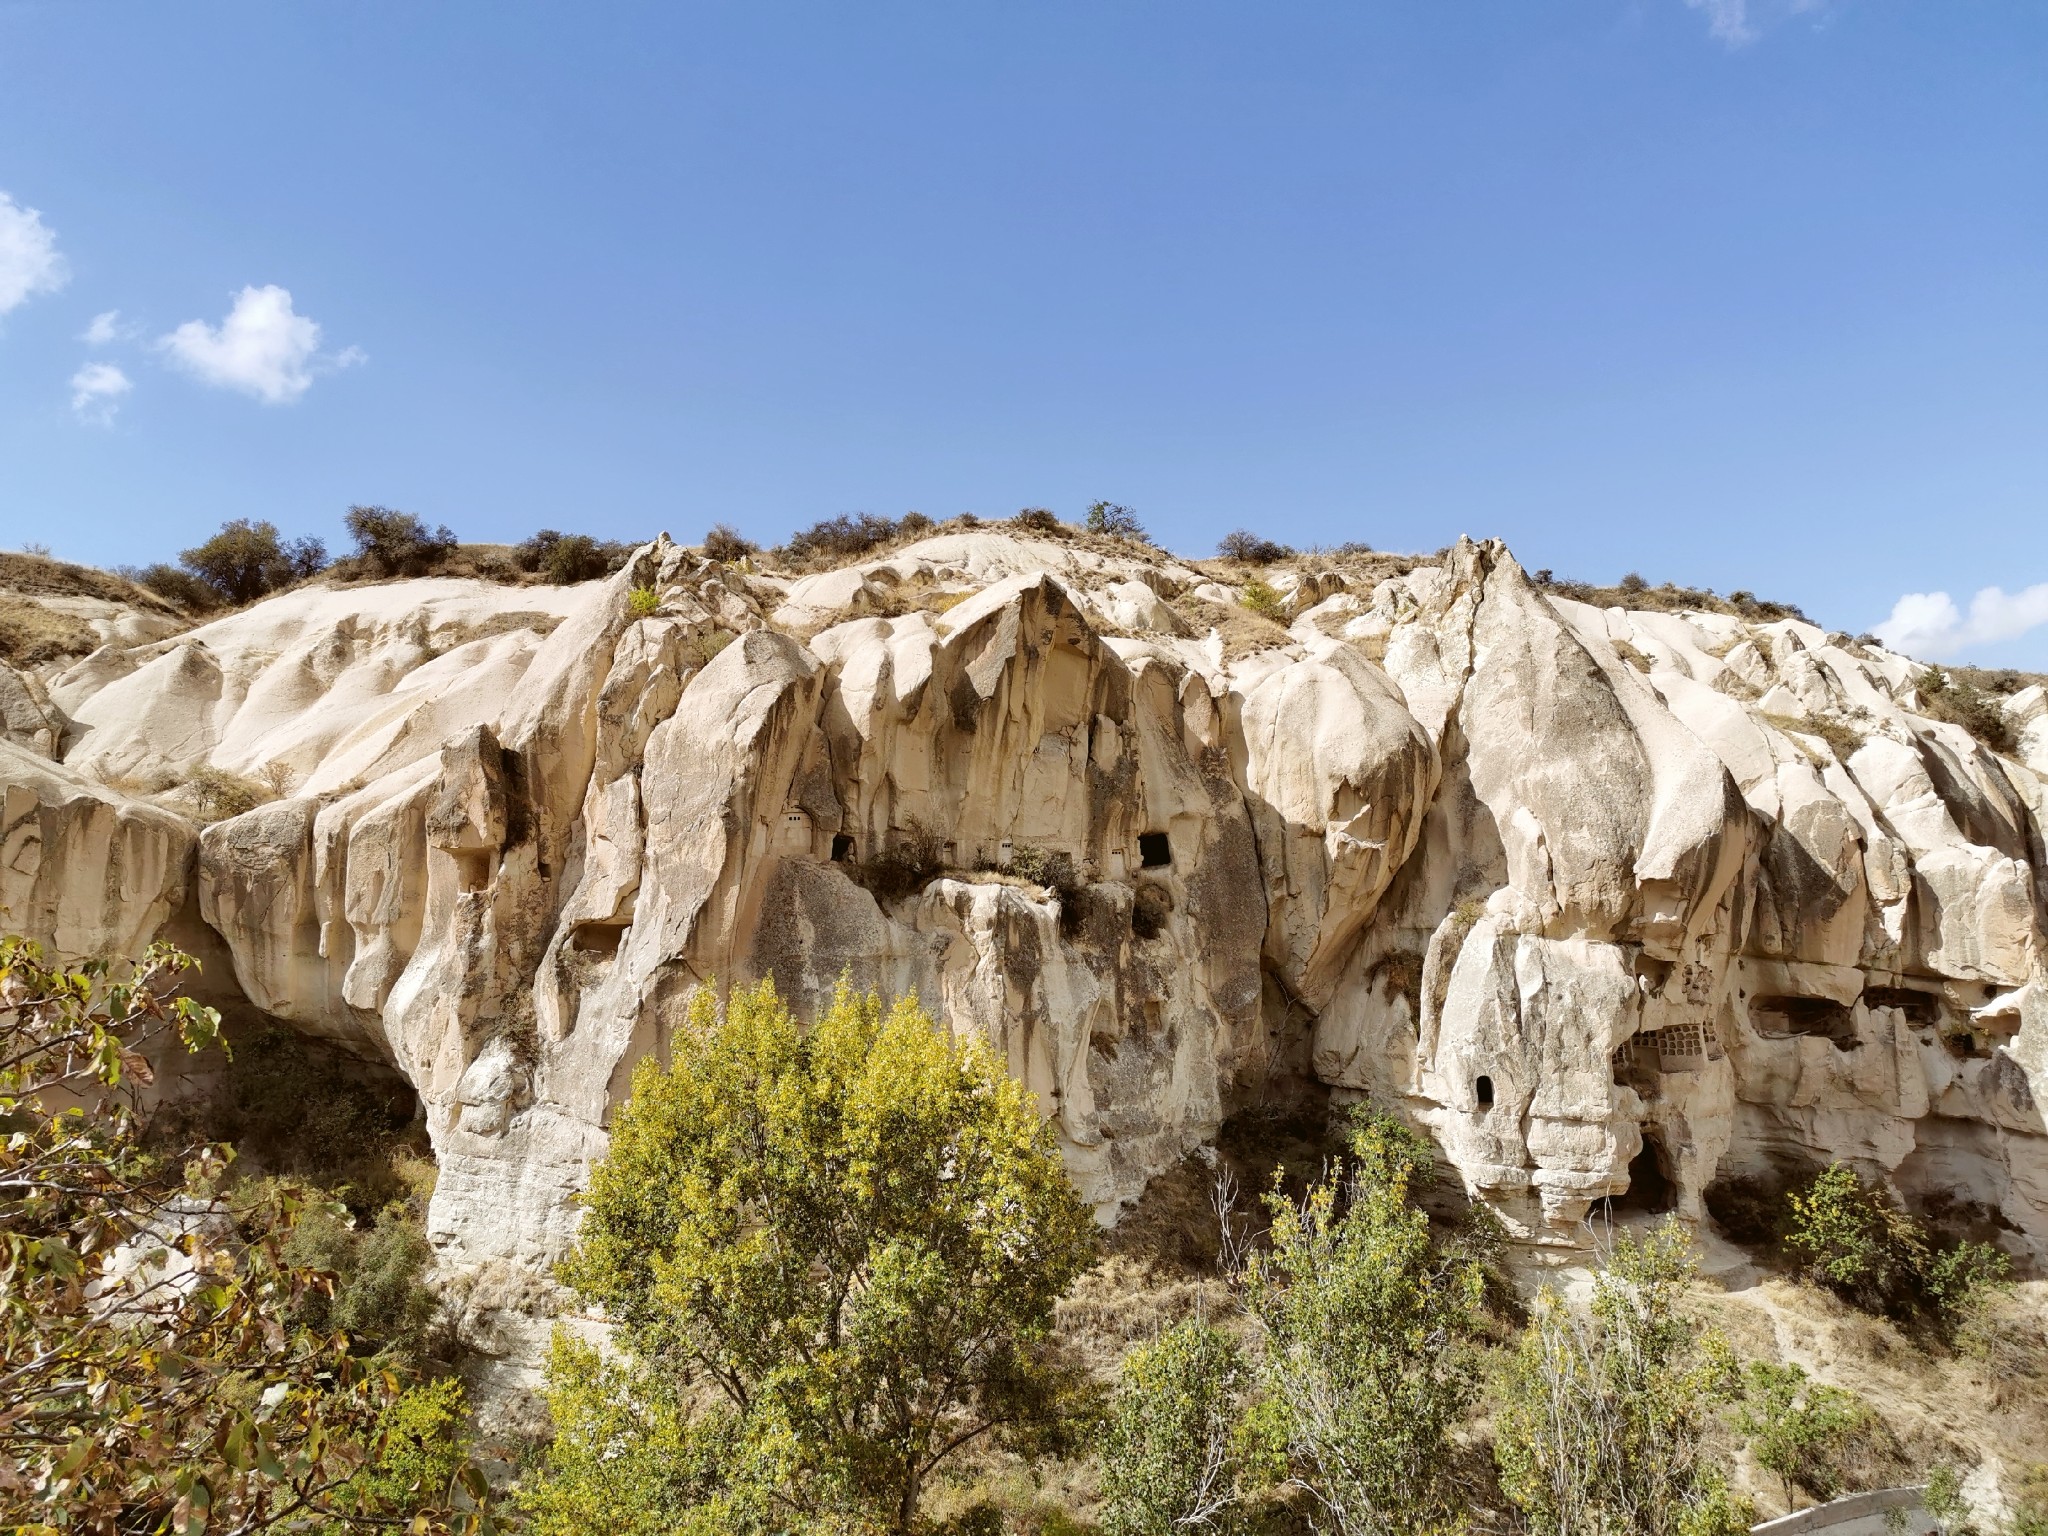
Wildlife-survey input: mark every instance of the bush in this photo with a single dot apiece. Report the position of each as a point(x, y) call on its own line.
point(1037, 520)
point(1799, 1428)
point(219, 794)
point(175, 583)
point(1116, 521)
point(568, 558)
point(245, 561)
point(392, 543)
point(1366, 1323)
point(1601, 1417)
point(850, 535)
point(643, 602)
point(723, 543)
point(135, 1404)
point(911, 859)
point(379, 1296)
point(851, 1237)
point(1955, 699)
point(1855, 1240)
point(1263, 600)
point(1175, 1452)
point(1248, 548)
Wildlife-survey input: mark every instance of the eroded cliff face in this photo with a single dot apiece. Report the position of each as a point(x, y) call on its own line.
point(1614, 903)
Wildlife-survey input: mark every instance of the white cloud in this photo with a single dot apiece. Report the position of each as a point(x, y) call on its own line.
point(1727, 20)
point(29, 261)
point(1738, 24)
point(106, 329)
point(263, 348)
point(1929, 623)
point(96, 391)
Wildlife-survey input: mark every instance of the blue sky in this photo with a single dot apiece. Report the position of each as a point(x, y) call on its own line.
point(1740, 293)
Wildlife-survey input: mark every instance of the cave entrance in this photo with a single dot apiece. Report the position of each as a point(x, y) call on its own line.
point(1651, 1188)
point(1155, 851)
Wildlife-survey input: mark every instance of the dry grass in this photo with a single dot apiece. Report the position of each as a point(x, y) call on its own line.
point(1931, 1404)
point(31, 634)
point(36, 575)
point(1244, 632)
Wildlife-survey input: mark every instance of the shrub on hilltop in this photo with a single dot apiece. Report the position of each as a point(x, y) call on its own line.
point(393, 543)
point(568, 558)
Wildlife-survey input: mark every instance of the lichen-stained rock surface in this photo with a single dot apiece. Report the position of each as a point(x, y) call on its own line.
point(1616, 904)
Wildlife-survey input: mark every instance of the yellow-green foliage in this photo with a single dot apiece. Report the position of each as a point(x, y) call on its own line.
point(1263, 599)
point(1601, 1416)
point(1799, 1428)
point(1366, 1323)
point(853, 1235)
point(643, 602)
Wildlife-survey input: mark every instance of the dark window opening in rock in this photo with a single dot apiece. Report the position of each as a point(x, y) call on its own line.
point(1154, 851)
point(842, 848)
point(1780, 1018)
point(1920, 1007)
point(1649, 1180)
point(1482, 1090)
point(600, 939)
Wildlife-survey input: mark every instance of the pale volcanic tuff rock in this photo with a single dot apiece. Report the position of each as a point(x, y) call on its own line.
point(1613, 903)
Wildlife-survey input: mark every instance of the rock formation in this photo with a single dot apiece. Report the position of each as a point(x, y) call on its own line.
point(1614, 903)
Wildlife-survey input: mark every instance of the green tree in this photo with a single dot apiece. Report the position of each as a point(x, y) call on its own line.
point(1798, 1427)
point(393, 543)
point(151, 1373)
point(1181, 1439)
point(1857, 1242)
point(1117, 521)
point(853, 1235)
point(245, 560)
point(1601, 1416)
point(1367, 1323)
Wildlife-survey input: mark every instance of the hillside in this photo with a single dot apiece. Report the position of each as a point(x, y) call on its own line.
point(1621, 904)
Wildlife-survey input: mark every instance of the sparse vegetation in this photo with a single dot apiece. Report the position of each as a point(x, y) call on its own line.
point(1118, 522)
point(566, 559)
point(216, 794)
point(724, 544)
point(643, 602)
point(1038, 520)
point(1248, 548)
point(393, 543)
point(1954, 697)
point(31, 634)
point(247, 560)
point(849, 536)
point(1633, 591)
point(1262, 599)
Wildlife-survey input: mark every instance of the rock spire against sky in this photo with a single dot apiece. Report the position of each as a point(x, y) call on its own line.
point(1739, 293)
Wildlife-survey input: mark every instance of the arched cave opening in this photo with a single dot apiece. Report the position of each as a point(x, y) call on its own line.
point(1651, 1188)
point(1482, 1090)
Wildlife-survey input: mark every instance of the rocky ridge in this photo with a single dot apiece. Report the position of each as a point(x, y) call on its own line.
point(1617, 904)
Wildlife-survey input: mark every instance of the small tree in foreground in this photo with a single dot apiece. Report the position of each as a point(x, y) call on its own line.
point(1601, 1416)
point(1367, 1325)
point(851, 1237)
point(1180, 1442)
point(152, 1376)
point(1798, 1428)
